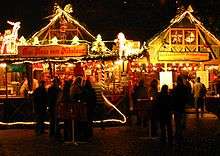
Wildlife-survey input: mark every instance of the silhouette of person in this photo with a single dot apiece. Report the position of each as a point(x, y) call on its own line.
point(77, 98)
point(90, 99)
point(153, 93)
point(54, 97)
point(40, 106)
point(180, 99)
point(67, 101)
point(140, 93)
point(199, 95)
point(165, 115)
point(24, 88)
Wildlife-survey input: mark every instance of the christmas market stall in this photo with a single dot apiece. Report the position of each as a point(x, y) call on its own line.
point(183, 48)
point(187, 48)
point(12, 77)
point(64, 49)
point(26, 62)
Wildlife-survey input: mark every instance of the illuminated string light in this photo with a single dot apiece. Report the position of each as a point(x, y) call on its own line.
point(9, 43)
point(112, 120)
point(58, 14)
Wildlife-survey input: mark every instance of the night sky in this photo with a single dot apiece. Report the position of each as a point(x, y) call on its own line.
point(138, 19)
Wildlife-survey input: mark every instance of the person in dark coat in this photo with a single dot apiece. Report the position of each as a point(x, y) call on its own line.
point(40, 107)
point(54, 98)
point(180, 99)
point(139, 95)
point(153, 93)
point(90, 99)
point(165, 115)
point(67, 101)
point(77, 99)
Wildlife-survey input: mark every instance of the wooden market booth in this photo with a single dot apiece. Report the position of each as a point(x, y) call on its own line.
point(62, 48)
point(184, 47)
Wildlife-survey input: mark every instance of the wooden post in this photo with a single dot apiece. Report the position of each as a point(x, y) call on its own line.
point(6, 81)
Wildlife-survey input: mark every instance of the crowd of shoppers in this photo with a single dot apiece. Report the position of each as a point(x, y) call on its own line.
point(167, 113)
point(75, 94)
point(167, 119)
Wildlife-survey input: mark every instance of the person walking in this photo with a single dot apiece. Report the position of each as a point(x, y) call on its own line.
point(40, 107)
point(199, 95)
point(54, 98)
point(180, 99)
point(165, 115)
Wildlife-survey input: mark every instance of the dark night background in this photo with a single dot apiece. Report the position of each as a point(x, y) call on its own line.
point(138, 19)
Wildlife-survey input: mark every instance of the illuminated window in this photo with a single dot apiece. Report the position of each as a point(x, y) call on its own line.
point(176, 36)
point(190, 37)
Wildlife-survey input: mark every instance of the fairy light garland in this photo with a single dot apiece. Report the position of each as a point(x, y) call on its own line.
point(112, 120)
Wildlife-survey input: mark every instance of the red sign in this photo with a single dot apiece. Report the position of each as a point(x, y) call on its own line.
point(53, 50)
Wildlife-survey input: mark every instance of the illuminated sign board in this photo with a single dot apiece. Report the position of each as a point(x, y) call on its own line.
point(53, 50)
point(183, 56)
point(166, 78)
point(204, 77)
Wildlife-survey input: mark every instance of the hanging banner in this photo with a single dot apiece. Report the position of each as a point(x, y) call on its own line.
point(53, 50)
point(183, 56)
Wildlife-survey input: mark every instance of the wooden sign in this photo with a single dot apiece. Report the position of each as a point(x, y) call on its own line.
point(183, 56)
point(53, 50)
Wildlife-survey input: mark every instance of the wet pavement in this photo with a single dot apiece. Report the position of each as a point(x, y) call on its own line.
point(201, 137)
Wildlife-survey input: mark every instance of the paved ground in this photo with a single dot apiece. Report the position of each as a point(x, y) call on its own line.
point(202, 137)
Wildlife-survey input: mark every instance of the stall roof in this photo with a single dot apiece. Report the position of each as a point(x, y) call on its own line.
point(186, 14)
point(63, 17)
point(184, 21)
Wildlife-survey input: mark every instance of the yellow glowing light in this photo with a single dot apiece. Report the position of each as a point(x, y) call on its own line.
point(121, 41)
point(166, 78)
point(36, 41)
point(9, 42)
point(45, 66)
point(23, 41)
point(98, 45)
point(119, 62)
point(71, 65)
point(3, 65)
point(98, 66)
point(54, 40)
point(17, 123)
point(75, 40)
point(59, 13)
point(190, 68)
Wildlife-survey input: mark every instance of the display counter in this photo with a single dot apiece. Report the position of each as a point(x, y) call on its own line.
point(16, 109)
point(213, 104)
